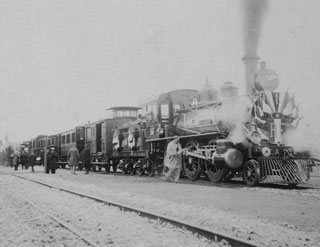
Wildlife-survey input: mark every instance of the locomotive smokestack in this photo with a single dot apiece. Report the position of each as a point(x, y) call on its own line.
point(253, 16)
point(251, 67)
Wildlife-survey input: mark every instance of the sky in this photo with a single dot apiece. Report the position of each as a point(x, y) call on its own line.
point(62, 63)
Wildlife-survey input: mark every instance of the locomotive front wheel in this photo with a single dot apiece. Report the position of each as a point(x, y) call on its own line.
point(214, 173)
point(251, 172)
point(192, 167)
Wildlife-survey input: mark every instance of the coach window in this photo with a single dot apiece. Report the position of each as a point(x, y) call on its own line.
point(87, 132)
point(81, 134)
point(176, 107)
point(154, 109)
point(68, 138)
point(165, 111)
point(73, 137)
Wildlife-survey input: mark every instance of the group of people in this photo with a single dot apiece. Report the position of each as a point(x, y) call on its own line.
point(74, 158)
point(25, 159)
point(29, 160)
point(172, 160)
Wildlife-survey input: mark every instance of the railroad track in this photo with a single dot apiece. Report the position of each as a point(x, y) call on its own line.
point(59, 221)
point(213, 236)
point(230, 184)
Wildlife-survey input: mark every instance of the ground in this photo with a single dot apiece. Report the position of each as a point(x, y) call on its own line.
point(282, 215)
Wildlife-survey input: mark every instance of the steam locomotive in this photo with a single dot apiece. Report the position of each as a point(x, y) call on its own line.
point(227, 135)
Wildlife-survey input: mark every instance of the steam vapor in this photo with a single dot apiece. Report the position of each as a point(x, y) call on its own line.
point(253, 16)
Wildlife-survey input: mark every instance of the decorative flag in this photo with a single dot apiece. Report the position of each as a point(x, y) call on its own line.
point(257, 112)
point(284, 102)
point(269, 101)
point(276, 100)
point(295, 111)
point(295, 122)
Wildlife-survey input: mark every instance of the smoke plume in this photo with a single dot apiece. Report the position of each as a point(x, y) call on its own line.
point(253, 16)
point(304, 138)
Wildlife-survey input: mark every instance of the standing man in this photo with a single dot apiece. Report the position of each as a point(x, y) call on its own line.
point(24, 159)
point(42, 158)
point(32, 160)
point(173, 160)
point(73, 158)
point(53, 160)
point(48, 165)
point(86, 159)
point(15, 161)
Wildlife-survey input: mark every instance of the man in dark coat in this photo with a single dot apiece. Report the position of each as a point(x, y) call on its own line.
point(24, 159)
point(32, 160)
point(52, 157)
point(53, 160)
point(86, 159)
point(42, 158)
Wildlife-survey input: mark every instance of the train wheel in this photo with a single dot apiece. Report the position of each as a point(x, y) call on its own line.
point(251, 172)
point(192, 167)
point(214, 173)
point(140, 171)
point(150, 167)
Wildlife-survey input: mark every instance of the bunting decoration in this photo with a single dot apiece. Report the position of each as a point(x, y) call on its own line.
point(115, 139)
point(131, 139)
point(273, 113)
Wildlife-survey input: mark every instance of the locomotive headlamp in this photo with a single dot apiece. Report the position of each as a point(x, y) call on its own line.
point(266, 152)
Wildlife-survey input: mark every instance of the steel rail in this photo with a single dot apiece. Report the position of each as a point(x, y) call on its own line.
point(214, 236)
point(59, 221)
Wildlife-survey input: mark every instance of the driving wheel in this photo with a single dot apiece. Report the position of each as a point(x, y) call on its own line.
point(192, 167)
point(214, 173)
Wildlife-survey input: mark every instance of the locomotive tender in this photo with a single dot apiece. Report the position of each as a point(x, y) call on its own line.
point(227, 134)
